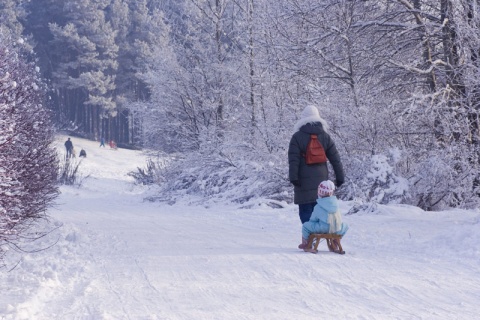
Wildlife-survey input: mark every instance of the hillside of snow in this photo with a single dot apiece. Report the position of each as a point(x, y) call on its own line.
point(112, 255)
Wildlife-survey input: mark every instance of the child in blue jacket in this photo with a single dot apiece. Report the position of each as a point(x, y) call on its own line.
point(326, 217)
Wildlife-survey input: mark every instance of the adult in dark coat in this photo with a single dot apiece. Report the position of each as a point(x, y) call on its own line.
point(306, 178)
point(69, 147)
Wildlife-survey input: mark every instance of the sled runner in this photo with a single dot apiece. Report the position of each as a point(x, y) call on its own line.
point(333, 242)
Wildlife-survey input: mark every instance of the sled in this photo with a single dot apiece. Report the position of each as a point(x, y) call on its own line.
point(315, 238)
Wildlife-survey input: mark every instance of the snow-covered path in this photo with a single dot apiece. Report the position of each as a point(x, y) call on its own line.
point(119, 257)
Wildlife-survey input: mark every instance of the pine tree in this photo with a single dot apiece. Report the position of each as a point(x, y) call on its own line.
point(87, 54)
point(141, 35)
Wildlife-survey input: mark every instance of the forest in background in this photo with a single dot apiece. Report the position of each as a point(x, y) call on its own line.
point(220, 84)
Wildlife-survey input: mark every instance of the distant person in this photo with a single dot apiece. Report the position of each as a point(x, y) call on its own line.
point(112, 144)
point(83, 153)
point(326, 217)
point(69, 147)
point(102, 142)
point(306, 177)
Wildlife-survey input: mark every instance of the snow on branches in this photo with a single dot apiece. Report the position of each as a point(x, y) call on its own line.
point(28, 164)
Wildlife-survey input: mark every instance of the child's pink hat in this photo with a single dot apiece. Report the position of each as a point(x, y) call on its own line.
point(326, 188)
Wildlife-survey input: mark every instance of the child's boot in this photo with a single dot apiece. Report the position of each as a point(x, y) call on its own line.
point(304, 243)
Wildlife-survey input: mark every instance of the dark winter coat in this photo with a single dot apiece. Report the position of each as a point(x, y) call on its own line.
point(68, 145)
point(310, 176)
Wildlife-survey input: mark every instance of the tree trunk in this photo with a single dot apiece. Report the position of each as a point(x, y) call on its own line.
point(474, 110)
point(450, 48)
point(251, 64)
point(427, 49)
point(218, 34)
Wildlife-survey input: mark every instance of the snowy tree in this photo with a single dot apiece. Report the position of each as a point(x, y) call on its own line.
point(193, 94)
point(28, 164)
point(87, 53)
point(385, 186)
point(208, 100)
point(222, 82)
point(141, 37)
point(389, 74)
point(442, 111)
point(11, 14)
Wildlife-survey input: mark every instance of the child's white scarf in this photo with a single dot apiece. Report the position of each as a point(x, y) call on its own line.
point(335, 222)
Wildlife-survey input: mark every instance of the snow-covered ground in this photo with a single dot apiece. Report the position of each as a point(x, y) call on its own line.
point(116, 256)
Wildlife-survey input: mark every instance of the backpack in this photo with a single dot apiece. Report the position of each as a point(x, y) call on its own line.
point(315, 152)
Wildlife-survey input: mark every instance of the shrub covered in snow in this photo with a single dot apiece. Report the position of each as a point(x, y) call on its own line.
point(383, 184)
point(28, 163)
point(223, 177)
point(152, 173)
point(68, 172)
